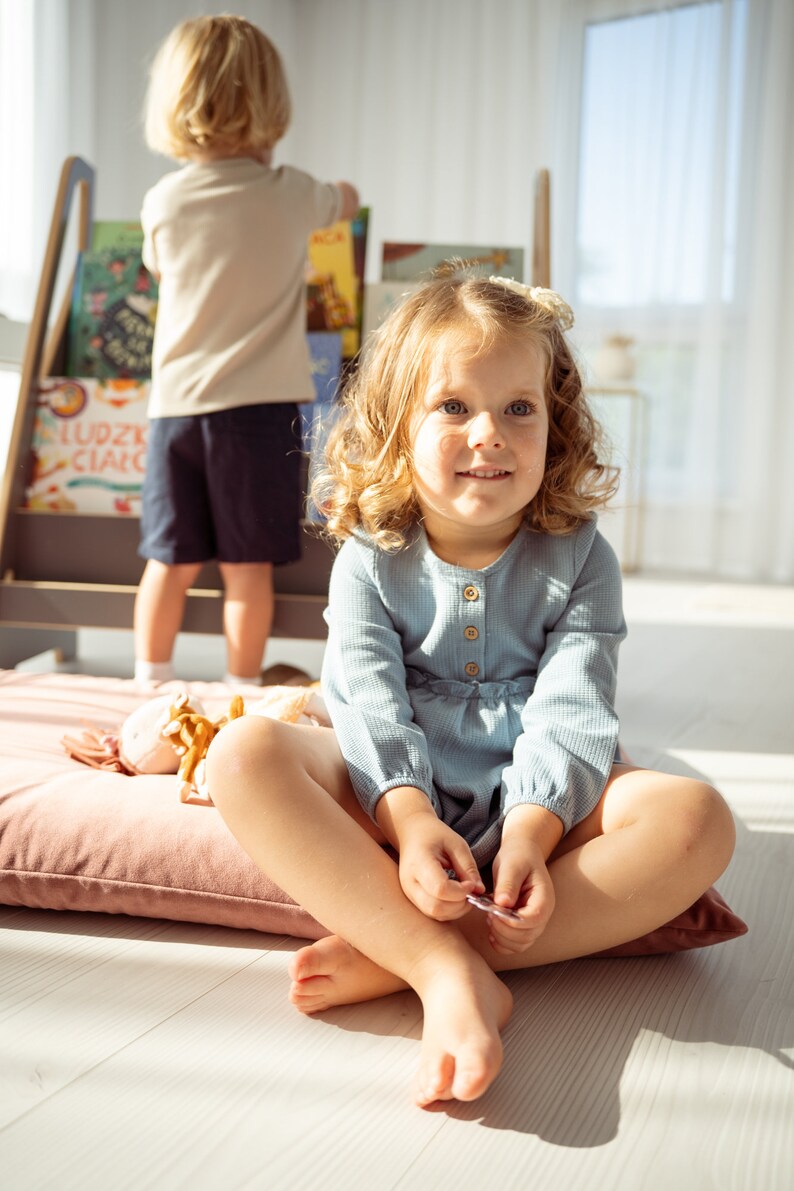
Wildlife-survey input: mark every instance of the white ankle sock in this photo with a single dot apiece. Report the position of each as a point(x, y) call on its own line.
point(236, 680)
point(154, 671)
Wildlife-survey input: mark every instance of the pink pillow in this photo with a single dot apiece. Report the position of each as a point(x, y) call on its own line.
point(93, 840)
point(74, 838)
point(710, 920)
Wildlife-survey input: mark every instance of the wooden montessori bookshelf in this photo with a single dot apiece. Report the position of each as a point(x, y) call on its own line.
point(60, 571)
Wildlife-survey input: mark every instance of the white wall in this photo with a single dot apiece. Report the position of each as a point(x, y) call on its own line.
point(442, 111)
point(125, 37)
point(391, 95)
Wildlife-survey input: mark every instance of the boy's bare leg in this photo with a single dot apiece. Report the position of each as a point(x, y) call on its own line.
point(647, 852)
point(247, 614)
point(271, 782)
point(159, 607)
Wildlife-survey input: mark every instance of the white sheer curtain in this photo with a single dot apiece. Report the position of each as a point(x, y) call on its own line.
point(671, 187)
point(16, 137)
point(683, 241)
point(767, 428)
point(671, 192)
point(441, 112)
point(47, 108)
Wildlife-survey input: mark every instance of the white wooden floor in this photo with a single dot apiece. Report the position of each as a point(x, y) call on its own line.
point(142, 1054)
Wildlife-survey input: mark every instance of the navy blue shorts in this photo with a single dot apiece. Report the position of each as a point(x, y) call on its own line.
point(225, 486)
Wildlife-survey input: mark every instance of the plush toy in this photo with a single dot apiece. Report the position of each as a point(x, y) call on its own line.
point(142, 747)
point(190, 733)
point(293, 704)
point(172, 733)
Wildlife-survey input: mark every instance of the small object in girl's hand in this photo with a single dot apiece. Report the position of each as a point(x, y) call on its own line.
point(486, 903)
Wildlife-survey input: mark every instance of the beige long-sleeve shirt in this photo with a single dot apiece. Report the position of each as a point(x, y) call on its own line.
point(228, 241)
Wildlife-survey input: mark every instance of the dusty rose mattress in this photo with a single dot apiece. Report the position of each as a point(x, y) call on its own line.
point(76, 838)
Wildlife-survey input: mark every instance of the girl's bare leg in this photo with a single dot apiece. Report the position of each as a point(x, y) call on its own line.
point(271, 782)
point(653, 844)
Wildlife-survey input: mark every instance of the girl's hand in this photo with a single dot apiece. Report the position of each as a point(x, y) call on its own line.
point(521, 883)
point(429, 850)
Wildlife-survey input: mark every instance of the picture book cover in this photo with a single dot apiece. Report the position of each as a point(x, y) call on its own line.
point(89, 446)
point(332, 285)
point(325, 350)
point(117, 234)
point(380, 298)
point(420, 262)
point(111, 324)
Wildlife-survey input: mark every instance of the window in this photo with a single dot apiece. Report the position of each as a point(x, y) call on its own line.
point(17, 139)
point(662, 102)
point(660, 126)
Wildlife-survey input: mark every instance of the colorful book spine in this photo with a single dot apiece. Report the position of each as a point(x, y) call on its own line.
point(325, 350)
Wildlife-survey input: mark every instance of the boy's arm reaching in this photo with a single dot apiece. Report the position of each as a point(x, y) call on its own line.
point(350, 200)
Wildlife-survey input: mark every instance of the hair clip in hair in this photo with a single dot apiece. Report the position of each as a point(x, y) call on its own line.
point(549, 299)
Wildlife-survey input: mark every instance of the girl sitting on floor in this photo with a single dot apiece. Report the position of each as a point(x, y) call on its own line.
point(474, 620)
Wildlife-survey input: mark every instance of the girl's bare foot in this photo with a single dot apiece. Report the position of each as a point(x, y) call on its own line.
point(465, 1006)
point(464, 1013)
point(330, 972)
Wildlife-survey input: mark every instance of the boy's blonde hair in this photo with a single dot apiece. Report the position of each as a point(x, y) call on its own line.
point(216, 83)
point(367, 481)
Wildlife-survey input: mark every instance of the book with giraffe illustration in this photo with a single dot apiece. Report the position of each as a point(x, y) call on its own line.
point(420, 262)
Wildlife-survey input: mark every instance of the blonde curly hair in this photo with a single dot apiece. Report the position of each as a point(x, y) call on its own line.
point(367, 479)
point(216, 83)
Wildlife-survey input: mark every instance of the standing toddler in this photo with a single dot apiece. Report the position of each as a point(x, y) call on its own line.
point(226, 236)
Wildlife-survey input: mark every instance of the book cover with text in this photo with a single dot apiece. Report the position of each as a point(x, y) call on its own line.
point(89, 446)
point(111, 324)
point(420, 262)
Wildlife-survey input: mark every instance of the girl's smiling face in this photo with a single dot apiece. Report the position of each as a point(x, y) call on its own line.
point(478, 440)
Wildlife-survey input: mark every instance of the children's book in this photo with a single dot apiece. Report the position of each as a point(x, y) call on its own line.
point(89, 446)
point(117, 234)
point(325, 350)
point(111, 325)
point(360, 226)
point(420, 262)
point(333, 298)
point(380, 298)
point(89, 437)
